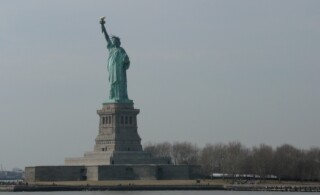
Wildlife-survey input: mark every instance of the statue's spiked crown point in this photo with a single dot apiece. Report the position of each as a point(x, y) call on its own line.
point(115, 37)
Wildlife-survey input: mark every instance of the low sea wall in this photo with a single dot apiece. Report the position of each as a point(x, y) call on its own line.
point(131, 187)
point(6, 188)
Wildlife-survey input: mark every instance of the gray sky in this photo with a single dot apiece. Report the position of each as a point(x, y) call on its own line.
point(202, 71)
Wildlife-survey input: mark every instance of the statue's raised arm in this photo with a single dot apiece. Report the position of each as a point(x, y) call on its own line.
point(103, 28)
point(118, 64)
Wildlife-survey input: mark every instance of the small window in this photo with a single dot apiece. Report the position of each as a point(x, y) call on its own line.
point(107, 121)
point(121, 119)
point(103, 120)
point(126, 121)
point(130, 120)
point(110, 120)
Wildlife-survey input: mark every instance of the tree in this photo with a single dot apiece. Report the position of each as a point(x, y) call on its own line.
point(310, 166)
point(159, 149)
point(185, 153)
point(262, 160)
point(285, 162)
point(212, 158)
point(235, 158)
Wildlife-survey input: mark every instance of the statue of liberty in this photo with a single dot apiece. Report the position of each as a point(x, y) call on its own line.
point(118, 63)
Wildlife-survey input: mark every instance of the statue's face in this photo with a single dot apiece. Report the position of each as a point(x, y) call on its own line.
point(116, 42)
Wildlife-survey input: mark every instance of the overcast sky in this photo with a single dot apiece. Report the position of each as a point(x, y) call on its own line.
point(202, 71)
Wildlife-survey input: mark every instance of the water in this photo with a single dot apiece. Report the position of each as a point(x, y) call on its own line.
point(156, 193)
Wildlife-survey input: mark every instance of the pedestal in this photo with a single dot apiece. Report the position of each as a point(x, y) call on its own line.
point(118, 141)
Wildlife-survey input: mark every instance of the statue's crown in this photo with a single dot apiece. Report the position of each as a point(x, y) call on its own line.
point(115, 37)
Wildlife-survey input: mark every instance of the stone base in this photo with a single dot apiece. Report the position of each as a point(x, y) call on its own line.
point(116, 158)
point(111, 172)
point(117, 101)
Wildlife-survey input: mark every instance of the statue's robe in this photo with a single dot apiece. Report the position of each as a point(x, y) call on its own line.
point(118, 63)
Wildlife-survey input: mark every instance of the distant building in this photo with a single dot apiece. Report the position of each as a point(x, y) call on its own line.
point(15, 174)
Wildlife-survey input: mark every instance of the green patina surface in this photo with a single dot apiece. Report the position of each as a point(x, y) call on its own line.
point(118, 64)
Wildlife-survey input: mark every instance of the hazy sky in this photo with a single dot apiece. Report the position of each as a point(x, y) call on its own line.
point(203, 71)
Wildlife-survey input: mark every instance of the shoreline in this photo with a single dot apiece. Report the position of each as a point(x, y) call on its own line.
point(36, 188)
point(114, 188)
point(160, 185)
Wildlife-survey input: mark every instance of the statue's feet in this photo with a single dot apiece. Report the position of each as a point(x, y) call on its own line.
point(122, 101)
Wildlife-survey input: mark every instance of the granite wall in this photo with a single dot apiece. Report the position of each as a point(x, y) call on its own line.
point(112, 172)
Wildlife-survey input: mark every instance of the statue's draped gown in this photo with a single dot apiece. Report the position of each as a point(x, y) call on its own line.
point(118, 63)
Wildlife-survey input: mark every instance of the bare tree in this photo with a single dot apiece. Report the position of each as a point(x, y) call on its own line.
point(185, 153)
point(235, 158)
point(262, 160)
point(309, 166)
point(213, 158)
point(285, 162)
point(159, 149)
